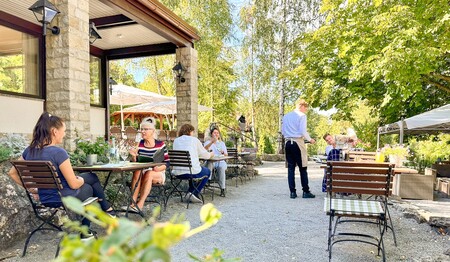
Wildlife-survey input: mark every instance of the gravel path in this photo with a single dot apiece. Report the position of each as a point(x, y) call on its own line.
point(261, 223)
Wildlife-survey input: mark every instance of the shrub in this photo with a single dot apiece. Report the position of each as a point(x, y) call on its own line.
point(15, 144)
point(128, 240)
point(229, 144)
point(5, 153)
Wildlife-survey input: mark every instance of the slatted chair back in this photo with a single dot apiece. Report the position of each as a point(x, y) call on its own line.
point(35, 176)
point(360, 178)
point(372, 179)
point(233, 164)
point(362, 156)
point(116, 132)
point(42, 175)
point(180, 159)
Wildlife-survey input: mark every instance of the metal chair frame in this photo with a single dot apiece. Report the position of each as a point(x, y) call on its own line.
point(346, 177)
point(42, 175)
point(181, 158)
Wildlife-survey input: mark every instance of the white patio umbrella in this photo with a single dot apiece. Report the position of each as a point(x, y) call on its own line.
point(162, 108)
point(127, 95)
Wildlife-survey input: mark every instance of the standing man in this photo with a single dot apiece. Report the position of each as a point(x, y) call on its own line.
point(294, 130)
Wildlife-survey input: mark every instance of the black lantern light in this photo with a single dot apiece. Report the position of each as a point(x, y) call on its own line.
point(111, 83)
point(44, 11)
point(93, 33)
point(179, 71)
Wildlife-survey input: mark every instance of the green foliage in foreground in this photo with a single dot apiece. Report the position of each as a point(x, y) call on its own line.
point(127, 240)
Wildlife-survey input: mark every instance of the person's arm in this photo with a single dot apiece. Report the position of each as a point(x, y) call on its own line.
point(15, 175)
point(209, 143)
point(74, 181)
point(304, 130)
point(225, 152)
point(202, 152)
point(134, 152)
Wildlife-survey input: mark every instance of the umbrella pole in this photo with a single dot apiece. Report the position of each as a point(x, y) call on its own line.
point(121, 119)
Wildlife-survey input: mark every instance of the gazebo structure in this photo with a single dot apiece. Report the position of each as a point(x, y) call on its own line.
point(62, 70)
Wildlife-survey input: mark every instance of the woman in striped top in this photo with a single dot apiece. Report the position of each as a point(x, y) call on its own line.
point(156, 175)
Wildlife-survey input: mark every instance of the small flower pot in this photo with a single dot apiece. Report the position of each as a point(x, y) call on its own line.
point(91, 159)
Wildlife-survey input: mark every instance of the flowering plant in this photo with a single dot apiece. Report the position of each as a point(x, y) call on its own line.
point(397, 150)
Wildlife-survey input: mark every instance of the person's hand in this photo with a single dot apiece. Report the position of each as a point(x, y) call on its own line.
point(133, 151)
point(213, 139)
point(312, 141)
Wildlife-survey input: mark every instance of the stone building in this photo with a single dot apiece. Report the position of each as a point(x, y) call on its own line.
point(66, 74)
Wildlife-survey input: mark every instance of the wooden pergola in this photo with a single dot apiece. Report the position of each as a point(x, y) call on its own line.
point(138, 116)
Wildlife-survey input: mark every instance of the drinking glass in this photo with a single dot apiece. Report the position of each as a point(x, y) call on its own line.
point(124, 153)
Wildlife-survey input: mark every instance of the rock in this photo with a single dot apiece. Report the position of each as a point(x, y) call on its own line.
point(15, 211)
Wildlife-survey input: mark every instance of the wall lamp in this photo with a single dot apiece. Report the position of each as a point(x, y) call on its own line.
point(179, 71)
point(93, 33)
point(111, 83)
point(44, 11)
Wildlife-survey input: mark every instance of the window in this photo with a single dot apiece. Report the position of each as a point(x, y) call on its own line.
point(19, 62)
point(95, 73)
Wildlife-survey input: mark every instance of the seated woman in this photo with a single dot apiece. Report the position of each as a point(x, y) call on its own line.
point(49, 132)
point(186, 141)
point(218, 147)
point(147, 147)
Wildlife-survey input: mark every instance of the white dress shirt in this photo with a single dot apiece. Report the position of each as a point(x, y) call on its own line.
point(294, 125)
point(196, 150)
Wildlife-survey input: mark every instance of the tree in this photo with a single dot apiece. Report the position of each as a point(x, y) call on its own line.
point(393, 54)
point(271, 26)
point(213, 21)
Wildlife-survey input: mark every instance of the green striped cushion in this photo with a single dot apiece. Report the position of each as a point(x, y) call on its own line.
point(353, 207)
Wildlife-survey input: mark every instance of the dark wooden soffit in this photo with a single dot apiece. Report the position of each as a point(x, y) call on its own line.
point(157, 18)
point(140, 51)
point(112, 21)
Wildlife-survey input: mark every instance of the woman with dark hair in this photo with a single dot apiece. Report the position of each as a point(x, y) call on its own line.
point(186, 141)
point(218, 147)
point(49, 132)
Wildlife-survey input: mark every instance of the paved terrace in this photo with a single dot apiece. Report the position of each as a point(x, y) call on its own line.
point(261, 223)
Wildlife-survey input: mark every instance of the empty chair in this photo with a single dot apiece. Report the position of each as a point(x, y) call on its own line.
point(373, 180)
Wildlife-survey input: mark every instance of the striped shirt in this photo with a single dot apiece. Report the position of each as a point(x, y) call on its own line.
point(150, 151)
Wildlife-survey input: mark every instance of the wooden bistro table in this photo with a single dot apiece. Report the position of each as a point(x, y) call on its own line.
point(122, 169)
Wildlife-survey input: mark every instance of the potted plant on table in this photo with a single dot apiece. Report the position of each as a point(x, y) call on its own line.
point(92, 150)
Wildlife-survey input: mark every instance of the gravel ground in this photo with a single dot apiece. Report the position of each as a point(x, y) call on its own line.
point(261, 223)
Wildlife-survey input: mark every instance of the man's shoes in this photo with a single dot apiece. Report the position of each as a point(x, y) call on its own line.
point(293, 195)
point(222, 192)
point(308, 195)
point(193, 198)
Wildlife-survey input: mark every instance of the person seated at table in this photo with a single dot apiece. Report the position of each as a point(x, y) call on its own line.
point(156, 175)
point(218, 147)
point(332, 153)
point(186, 141)
point(47, 134)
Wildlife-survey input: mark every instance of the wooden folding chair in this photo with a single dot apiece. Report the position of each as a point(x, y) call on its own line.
point(233, 164)
point(42, 175)
point(181, 158)
point(372, 179)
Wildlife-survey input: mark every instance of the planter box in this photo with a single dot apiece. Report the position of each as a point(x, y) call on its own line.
point(443, 186)
point(413, 186)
